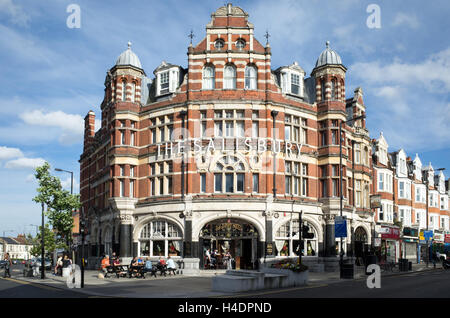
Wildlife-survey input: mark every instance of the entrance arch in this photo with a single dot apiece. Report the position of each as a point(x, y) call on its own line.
point(361, 241)
point(237, 236)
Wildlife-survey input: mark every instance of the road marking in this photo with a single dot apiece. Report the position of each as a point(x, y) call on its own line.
point(39, 285)
point(270, 292)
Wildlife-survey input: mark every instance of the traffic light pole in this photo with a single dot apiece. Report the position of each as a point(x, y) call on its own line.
point(300, 236)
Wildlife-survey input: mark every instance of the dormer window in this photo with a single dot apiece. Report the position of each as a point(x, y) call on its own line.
point(291, 80)
point(219, 44)
point(164, 83)
point(167, 78)
point(295, 84)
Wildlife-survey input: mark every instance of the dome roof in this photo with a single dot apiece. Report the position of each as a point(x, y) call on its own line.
point(328, 56)
point(129, 58)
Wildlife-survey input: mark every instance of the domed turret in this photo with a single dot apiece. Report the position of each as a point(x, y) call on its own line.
point(128, 57)
point(328, 56)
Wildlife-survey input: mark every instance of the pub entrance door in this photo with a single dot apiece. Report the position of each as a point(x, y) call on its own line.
point(228, 235)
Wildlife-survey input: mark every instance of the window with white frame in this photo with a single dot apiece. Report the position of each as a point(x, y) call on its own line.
point(357, 153)
point(287, 240)
point(229, 77)
point(229, 175)
point(229, 123)
point(250, 77)
point(160, 238)
point(164, 83)
point(380, 181)
point(295, 129)
point(208, 77)
point(358, 193)
point(296, 178)
point(295, 84)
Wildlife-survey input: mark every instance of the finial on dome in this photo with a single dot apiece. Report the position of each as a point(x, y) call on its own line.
point(129, 45)
point(327, 44)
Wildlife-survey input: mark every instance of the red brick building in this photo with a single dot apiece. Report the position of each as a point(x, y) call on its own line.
point(225, 153)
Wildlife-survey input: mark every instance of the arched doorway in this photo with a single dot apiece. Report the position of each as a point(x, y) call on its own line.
point(236, 236)
point(361, 246)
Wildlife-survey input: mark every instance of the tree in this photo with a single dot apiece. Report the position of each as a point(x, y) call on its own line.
point(50, 243)
point(60, 203)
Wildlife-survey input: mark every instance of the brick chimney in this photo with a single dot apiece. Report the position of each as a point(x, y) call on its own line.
point(89, 128)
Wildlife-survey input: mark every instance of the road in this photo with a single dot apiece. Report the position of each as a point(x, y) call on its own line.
point(428, 284)
point(12, 288)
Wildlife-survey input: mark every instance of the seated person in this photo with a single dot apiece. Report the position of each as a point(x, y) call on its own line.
point(162, 266)
point(105, 265)
point(171, 267)
point(133, 266)
point(148, 267)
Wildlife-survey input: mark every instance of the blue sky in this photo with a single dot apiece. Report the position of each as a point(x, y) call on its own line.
point(53, 75)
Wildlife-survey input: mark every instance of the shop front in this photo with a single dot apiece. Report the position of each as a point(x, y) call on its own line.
point(389, 250)
point(410, 242)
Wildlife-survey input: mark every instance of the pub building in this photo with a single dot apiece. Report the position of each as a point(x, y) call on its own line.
point(224, 154)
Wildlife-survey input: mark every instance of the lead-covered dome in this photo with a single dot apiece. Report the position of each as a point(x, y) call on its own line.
point(128, 57)
point(328, 56)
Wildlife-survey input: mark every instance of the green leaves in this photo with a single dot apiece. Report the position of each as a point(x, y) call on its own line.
point(59, 202)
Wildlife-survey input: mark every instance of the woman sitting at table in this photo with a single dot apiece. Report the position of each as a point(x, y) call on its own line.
point(162, 266)
point(134, 267)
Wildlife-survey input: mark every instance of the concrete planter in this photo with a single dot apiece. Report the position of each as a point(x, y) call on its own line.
point(267, 278)
point(291, 278)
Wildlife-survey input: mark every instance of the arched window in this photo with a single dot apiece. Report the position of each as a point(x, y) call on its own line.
point(250, 77)
point(124, 91)
point(229, 175)
point(322, 89)
point(287, 240)
point(160, 238)
point(133, 92)
point(229, 77)
point(333, 89)
point(208, 77)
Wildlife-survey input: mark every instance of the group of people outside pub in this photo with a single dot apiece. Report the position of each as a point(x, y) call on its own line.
point(138, 266)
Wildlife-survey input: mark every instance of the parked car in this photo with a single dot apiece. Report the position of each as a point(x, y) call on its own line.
point(2, 263)
point(37, 262)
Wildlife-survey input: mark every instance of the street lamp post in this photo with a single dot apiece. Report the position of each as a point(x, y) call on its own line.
point(341, 259)
point(42, 245)
point(71, 192)
point(427, 183)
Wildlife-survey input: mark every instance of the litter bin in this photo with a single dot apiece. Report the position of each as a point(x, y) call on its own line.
point(347, 271)
point(410, 266)
point(28, 271)
point(403, 264)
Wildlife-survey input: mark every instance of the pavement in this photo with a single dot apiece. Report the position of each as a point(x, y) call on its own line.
point(178, 286)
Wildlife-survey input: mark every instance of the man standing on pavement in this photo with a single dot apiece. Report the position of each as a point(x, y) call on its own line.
point(8, 264)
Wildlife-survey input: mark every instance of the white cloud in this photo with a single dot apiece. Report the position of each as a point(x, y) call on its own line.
point(16, 13)
point(25, 163)
point(9, 153)
point(433, 73)
point(405, 19)
point(72, 126)
point(67, 122)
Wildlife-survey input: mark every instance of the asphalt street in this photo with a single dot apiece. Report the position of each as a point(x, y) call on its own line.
point(428, 284)
point(13, 288)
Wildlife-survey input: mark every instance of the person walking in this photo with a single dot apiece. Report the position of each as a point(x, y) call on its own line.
point(8, 265)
